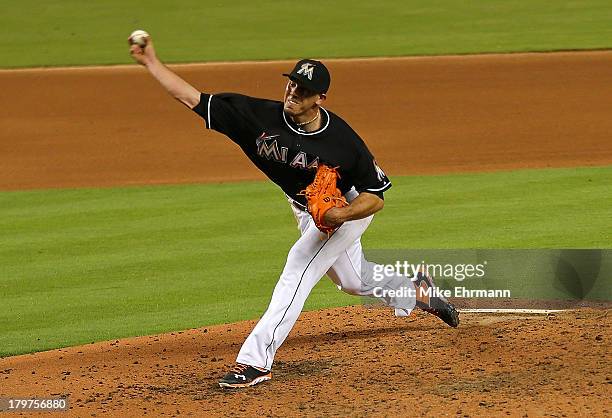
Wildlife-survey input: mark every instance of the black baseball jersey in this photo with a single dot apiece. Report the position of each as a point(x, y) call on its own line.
point(287, 154)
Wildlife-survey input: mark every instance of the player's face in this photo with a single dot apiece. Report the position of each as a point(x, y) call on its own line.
point(300, 100)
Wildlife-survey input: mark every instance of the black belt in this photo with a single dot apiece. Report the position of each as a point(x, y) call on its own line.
point(297, 204)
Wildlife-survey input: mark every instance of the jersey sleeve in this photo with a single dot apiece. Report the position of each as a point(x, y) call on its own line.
point(230, 114)
point(368, 176)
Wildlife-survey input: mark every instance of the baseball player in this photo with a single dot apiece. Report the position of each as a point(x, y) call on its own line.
point(287, 140)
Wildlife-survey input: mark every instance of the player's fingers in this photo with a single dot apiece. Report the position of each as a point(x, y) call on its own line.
point(135, 49)
point(148, 41)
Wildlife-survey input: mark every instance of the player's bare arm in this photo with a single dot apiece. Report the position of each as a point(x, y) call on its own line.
point(364, 205)
point(175, 85)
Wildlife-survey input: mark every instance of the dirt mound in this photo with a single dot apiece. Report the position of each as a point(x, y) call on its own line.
point(349, 361)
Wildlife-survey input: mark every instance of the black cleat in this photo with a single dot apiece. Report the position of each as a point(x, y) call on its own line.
point(242, 376)
point(434, 303)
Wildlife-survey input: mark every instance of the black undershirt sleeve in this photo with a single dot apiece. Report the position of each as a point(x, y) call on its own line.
point(200, 108)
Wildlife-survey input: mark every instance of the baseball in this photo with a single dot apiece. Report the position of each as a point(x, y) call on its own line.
point(138, 37)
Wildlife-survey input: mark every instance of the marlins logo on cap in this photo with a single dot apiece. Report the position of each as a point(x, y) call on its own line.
point(311, 74)
point(306, 69)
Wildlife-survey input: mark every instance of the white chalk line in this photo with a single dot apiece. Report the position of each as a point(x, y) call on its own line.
point(514, 311)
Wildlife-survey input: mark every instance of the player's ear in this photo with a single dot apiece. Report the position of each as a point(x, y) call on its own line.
point(321, 99)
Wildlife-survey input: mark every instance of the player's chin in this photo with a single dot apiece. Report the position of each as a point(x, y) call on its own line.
point(290, 109)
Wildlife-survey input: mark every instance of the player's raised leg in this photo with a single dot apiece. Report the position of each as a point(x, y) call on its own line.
point(355, 275)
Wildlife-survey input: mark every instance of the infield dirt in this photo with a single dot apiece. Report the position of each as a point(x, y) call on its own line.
point(115, 126)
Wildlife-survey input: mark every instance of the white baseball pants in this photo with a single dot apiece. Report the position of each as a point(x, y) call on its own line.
point(313, 255)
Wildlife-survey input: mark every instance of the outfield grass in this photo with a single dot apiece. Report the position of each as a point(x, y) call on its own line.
point(74, 32)
point(87, 265)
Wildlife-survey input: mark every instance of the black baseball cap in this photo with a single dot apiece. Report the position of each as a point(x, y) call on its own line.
point(311, 74)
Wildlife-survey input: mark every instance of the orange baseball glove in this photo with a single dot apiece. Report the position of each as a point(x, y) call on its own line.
point(322, 195)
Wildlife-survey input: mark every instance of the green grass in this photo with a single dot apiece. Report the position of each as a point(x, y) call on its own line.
point(558, 208)
point(75, 32)
point(85, 265)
